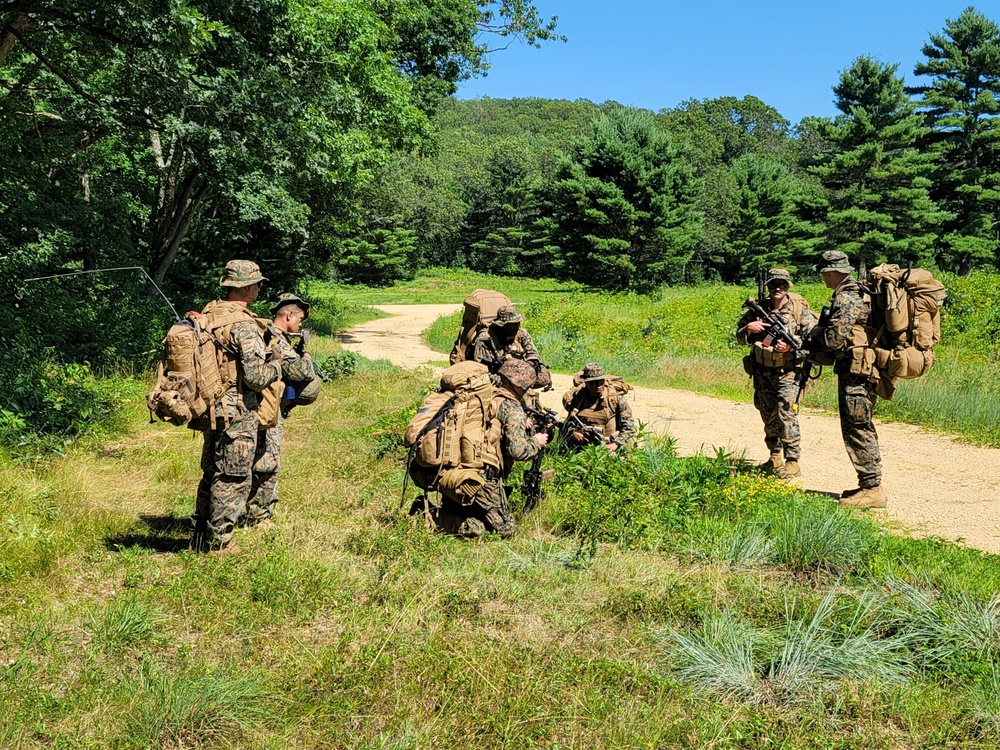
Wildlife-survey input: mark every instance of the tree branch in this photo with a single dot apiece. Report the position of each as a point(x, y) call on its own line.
point(56, 71)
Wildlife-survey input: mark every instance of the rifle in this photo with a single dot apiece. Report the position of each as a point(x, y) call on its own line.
point(544, 420)
point(591, 435)
point(778, 331)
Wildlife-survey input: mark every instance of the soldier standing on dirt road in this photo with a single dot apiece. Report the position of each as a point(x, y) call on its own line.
point(775, 371)
point(847, 339)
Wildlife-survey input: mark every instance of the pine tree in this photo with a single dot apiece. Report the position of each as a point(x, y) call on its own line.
point(876, 178)
point(621, 212)
point(961, 106)
point(764, 230)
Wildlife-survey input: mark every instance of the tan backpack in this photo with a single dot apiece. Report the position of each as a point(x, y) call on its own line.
point(621, 388)
point(906, 304)
point(189, 385)
point(455, 435)
point(480, 309)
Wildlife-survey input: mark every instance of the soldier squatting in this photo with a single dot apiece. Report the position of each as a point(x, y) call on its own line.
point(265, 376)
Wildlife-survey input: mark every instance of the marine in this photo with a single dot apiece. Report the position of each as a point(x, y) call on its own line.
point(230, 444)
point(277, 400)
point(775, 370)
point(598, 404)
point(488, 509)
point(504, 339)
point(848, 337)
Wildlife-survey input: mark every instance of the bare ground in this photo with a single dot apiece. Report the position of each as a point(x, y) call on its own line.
point(936, 485)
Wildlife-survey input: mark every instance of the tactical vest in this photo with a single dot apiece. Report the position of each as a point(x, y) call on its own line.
point(603, 413)
point(766, 356)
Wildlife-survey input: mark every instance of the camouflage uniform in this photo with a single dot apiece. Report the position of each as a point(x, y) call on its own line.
point(230, 447)
point(489, 510)
point(775, 390)
point(608, 410)
point(856, 395)
point(267, 456)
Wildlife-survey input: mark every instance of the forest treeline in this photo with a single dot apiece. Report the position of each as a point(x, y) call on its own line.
point(712, 189)
point(322, 139)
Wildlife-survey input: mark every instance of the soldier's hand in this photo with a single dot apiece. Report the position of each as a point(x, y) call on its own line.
point(781, 346)
point(612, 447)
point(757, 326)
point(578, 436)
point(542, 438)
point(308, 356)
point(528, 423)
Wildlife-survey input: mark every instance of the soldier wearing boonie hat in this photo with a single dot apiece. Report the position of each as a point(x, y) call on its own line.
point(505, 338)
point(598, 403)
point(846, 337)
point(775, 370)
point(230, 448)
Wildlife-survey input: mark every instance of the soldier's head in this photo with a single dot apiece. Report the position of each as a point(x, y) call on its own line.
point(779, 281)
point(241, 281)
point(289, 312)
point(594, 377)
point(517, 376)
point(506, 323)
point(834, 268)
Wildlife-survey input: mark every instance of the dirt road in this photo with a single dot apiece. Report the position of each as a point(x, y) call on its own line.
point(936, 486)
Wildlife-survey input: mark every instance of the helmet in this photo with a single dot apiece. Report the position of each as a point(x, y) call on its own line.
point(518, 373)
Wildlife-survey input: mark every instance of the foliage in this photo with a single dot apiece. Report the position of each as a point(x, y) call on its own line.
point(876, 177)
point(621, 210)
point(961, 102)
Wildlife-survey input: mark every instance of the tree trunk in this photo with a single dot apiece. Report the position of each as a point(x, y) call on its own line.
point(181, 192)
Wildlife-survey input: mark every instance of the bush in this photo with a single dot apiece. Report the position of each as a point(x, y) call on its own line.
point(340, 365)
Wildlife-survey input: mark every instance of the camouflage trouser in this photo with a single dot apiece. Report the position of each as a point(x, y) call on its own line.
point(774, 393)
point(264, 482)
point(226, 462)
point(488, 512)
point(856, 400)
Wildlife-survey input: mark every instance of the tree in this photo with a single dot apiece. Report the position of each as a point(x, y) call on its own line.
point(621, 212)
point(961, 105)
point(765, 230)
point(876, 177)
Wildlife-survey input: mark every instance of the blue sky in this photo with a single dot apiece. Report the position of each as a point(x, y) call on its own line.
point(657, 54)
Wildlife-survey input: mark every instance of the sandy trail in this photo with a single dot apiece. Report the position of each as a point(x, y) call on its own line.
point(936, 486)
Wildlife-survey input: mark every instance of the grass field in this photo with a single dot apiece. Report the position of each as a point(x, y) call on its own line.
point(654, 602)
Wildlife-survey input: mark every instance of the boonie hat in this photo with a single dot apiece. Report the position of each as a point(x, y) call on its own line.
point(593, 371)
point(240, 273)
point(835, 260)
point(779, 274)
point(518, 372)
point(507, 314)
point(290, 299)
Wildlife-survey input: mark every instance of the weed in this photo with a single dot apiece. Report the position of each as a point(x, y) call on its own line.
point(123, 624)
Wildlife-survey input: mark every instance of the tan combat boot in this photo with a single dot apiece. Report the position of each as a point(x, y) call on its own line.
point(772, 464)
point(789, 470)
point(868, 497)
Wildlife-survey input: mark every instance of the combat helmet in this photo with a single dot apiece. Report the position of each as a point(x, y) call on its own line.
point(518, 373)
point(240, 273)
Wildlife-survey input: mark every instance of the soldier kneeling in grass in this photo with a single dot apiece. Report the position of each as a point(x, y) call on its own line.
point(599, 414)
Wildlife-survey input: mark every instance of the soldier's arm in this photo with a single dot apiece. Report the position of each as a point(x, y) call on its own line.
point(516, 442)
point(627, 429)
point(742, 337)
point(258, 374)
point(293, 367)
point(527, 344)
point(808, 321)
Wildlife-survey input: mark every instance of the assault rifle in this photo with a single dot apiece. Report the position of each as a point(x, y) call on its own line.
point(543, 420)
point(778, 331)
point(591, 435)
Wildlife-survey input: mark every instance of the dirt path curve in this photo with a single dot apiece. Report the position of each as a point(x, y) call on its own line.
point(936, 486)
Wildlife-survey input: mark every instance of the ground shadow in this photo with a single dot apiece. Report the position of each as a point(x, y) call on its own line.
point(161, 534)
